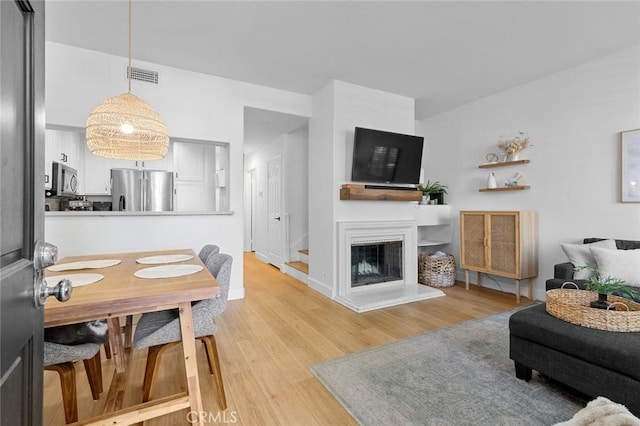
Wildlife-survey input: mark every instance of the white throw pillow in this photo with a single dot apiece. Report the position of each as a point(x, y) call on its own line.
point(580, 255)
point(623, 264)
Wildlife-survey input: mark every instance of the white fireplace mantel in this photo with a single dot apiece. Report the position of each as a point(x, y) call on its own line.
point(366, 298)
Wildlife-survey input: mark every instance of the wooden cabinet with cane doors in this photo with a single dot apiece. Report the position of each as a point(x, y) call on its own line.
point(503, 243)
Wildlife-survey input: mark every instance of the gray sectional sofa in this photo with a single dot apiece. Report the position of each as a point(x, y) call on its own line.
point(594, 362)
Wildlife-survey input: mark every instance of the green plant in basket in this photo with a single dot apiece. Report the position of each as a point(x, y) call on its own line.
point(607, 285)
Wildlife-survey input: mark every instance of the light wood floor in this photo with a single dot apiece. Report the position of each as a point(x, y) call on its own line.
point(268, 340)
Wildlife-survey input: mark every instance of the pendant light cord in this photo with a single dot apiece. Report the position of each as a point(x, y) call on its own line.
point(130, 1)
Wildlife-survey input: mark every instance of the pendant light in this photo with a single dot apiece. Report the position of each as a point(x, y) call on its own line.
point(127, 127)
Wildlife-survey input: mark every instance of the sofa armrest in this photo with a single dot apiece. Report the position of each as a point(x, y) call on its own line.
point(563, 271)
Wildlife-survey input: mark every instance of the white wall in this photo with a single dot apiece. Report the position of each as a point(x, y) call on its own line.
point(337, 109)
point(194, 106)
point(574, 119)
point(295, 185)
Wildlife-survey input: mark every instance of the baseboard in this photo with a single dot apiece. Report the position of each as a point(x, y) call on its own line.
point(236, 293)
point(261, 257)
point(321, 288)
point(299, 275)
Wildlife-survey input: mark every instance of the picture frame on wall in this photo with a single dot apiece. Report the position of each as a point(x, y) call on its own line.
point(630, 165)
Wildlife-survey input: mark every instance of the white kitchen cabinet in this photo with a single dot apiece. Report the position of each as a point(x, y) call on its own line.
point(66, 147)
point(97, 176)
point(194, 167)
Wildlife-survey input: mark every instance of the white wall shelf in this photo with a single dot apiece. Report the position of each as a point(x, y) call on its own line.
point(434, 225)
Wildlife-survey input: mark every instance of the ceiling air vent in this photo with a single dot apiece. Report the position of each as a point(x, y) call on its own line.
point(142, 75)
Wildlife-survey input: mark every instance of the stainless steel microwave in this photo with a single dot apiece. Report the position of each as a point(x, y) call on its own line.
point(65, 180)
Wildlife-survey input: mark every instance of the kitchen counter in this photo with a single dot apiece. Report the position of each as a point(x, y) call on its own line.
point(119, 213)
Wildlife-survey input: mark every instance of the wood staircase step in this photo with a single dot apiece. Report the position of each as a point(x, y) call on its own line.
point(300, 266)
point(305, 251)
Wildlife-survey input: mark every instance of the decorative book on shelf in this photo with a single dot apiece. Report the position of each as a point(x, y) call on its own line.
point(351, 191)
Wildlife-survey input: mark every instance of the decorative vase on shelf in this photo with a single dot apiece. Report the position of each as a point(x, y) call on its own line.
point(513, 157)
point(491, 180)
point(425, 199)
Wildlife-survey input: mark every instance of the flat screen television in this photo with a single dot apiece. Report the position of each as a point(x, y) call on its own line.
point(386, 157)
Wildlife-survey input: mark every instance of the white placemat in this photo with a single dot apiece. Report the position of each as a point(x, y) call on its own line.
point(77, 280)
point(168, 271)
point(87, 264)
point(164, 258)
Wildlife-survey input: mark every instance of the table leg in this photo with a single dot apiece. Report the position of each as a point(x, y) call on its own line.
point(128, 331)
point(479, 278)
point(517, 291)
point(115, 343)
point(190, 362)
point(466, 279)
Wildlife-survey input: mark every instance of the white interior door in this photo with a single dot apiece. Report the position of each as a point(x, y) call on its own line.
point(274, 234)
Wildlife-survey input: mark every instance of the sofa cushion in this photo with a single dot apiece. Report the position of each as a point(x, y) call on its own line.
point(580, 255)
point(623, 264)
point(608, 349)
point(621, 244)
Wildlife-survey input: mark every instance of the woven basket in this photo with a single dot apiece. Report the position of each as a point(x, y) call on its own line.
point(573, 306)
point(436, 271)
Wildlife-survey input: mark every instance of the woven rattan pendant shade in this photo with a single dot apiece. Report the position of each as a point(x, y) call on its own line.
point(144, 136)
point(126, 127)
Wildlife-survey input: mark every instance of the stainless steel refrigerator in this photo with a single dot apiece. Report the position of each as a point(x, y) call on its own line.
point(135, 190)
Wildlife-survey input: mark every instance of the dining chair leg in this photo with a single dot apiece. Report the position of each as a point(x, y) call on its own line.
point(128, 331)
point(151, 369)
point(67, 373)
point(214, 368)
point(93, 368)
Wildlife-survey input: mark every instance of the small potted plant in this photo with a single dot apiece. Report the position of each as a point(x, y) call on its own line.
point(605, 286)
point(433, 190)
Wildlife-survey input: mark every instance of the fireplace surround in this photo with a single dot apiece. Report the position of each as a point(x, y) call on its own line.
point(378, 265)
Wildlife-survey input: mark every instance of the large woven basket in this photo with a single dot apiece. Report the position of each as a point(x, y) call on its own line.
point(573, 306)
point(436, 271)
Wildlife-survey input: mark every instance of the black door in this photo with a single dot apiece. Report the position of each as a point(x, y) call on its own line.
point(21, 209)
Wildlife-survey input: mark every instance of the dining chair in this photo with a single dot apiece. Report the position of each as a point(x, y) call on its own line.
point(207, 251)
point(160, 330)
point(60, 358)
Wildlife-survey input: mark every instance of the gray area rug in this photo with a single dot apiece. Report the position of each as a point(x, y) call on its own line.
point(459, 375)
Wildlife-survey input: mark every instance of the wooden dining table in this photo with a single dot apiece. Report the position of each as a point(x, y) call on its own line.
point(121, 294)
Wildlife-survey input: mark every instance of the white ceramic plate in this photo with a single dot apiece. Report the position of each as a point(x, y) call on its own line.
point(77, 280)
point(88, 264)
point(165, 258)
point(168, 271)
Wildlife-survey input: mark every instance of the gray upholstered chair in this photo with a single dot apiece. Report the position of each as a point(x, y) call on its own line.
point(160, 331)
point(60, 358)
point(207, 251)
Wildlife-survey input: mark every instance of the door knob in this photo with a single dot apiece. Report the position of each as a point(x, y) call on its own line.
point(277, 218)
point(45, 254)
point(62, 291)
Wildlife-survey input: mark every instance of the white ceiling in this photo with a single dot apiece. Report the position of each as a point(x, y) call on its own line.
point(442, 53)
